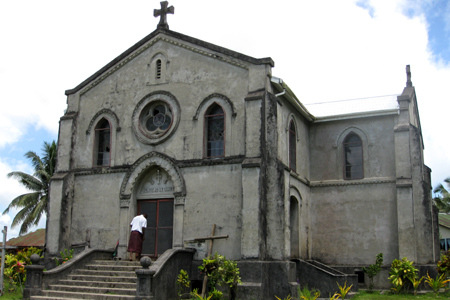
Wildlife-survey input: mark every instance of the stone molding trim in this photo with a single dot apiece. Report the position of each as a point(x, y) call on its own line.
point(216, 95)
point(124, 203)
point(256, 95)
point(351, 182)
point(138, 51)
point(155, 96)
point(296, 176)
point(146, 161)
point(346, 131)
point(294, 192)
point(179, 200)
point(100, 170)
point(69, 115)
point(230, 160)
point(107, 112)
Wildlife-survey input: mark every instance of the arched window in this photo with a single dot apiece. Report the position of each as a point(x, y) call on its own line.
point(292, 146)
point(215, 131)
point(102, 151)
point(353, 157)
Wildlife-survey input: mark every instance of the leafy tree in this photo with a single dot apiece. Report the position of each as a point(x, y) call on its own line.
point(442, 200)
point(35, 203)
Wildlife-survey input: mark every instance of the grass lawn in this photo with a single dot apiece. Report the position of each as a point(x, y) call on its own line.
point(16, 295)
point(389, 296)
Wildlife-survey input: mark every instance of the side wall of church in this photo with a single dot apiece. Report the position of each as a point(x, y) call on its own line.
point(353, 220)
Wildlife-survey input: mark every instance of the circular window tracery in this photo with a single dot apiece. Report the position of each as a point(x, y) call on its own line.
point(156, 119)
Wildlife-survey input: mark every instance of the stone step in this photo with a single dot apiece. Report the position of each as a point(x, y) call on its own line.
point(104, 284)
point(50, 294)
point(81, 277)
point(117, 263)
point(92, 290)
point(103, 273)
point(122, 268)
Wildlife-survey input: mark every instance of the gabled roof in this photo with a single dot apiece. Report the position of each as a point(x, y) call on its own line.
point(354, 107)
point(179, 36)
point(32, 239)
point(444, 220)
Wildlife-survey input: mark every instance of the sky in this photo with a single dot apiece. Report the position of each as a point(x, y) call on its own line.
point(325, 50)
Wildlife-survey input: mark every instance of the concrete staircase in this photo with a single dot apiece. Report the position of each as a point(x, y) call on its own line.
point(100, 280)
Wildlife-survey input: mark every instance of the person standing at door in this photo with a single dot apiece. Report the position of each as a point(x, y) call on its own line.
point(137, 225)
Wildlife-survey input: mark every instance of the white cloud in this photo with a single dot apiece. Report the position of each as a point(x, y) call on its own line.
point(324, 50)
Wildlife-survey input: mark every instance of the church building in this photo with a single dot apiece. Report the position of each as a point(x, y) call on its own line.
point(194, 134)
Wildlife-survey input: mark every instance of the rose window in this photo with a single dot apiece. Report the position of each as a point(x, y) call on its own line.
point(156, 119)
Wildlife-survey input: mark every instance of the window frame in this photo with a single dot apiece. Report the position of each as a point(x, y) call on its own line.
point(344, 159)
point(98, 131)
point(292, 132)
point(206, 117)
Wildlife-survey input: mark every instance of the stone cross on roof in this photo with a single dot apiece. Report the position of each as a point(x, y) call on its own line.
point(163, 13)
point(408, 76)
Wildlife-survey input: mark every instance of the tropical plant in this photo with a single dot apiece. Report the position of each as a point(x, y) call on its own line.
point(287, 298)
point(221, 271)
point(14, 268)
point(415, 282)
point(66, 255)
point(34, 204)
point(343, 289)
point(199, 297)
point(374, 269)
point(182, 282)
point(442, 199)
point(306, 294)
point(436, 284)
point(400, 271)
point(443, 266)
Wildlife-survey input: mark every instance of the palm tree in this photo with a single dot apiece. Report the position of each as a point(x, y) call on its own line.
point(442, 200)
point(35, 203)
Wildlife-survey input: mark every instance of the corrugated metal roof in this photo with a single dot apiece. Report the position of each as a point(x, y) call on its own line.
point(32, 239)
point(444, 220)
point(353, 106)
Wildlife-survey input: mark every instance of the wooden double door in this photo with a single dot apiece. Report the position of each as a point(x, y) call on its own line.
point(159, 231)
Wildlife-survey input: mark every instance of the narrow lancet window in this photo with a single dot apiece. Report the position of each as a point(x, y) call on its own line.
point(158, 69)
point(102, 143)
point(292, 147)
point(353, 157)
point(215, 131)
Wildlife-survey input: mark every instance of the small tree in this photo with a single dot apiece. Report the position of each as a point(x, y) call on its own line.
point(374, 269)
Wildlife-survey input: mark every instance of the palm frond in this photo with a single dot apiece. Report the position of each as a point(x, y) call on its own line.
point(29, 182)
point(34, 205)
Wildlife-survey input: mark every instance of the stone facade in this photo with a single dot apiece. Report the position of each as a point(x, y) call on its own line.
point(163, 99)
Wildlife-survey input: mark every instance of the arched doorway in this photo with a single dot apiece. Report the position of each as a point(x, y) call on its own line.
point(155, 198)
point(294, 227)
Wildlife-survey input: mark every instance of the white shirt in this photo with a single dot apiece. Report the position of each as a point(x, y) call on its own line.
point(138, 222)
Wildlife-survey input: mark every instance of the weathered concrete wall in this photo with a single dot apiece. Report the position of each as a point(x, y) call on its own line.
point(351, 224)
point(96, 207)
point(214, 196)
point(192, 77)
point(327, 155)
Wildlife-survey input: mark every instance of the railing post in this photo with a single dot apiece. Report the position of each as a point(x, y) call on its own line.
point(144, 280)
point(33, 283)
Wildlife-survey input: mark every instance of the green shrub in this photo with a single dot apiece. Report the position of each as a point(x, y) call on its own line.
point(401, 271)
point(374, 269)
point(14, 269)
point(306, 294)
point(221, 271)
point(443, 266)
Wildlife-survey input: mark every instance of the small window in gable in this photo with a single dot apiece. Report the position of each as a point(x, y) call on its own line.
point(158, 69)
point(215, 131)
point(102, 153)
point(292, 146)
point(353, 157)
